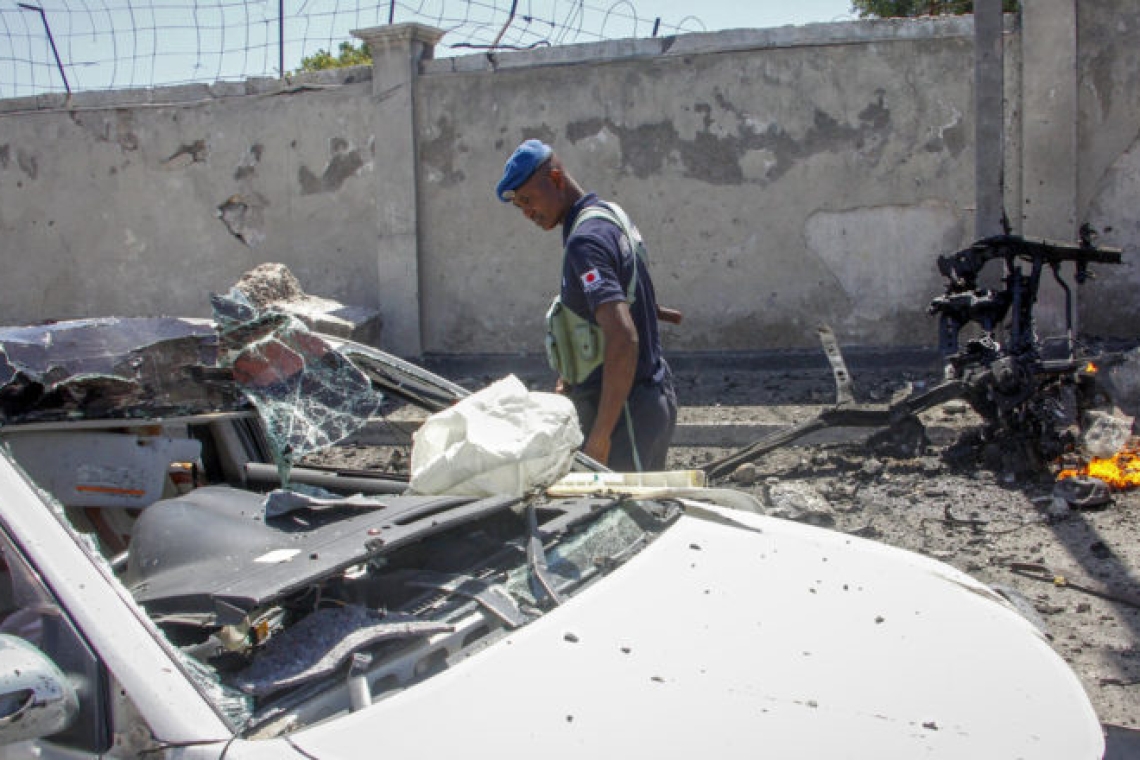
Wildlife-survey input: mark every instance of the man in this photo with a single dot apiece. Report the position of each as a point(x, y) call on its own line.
point(602, 330)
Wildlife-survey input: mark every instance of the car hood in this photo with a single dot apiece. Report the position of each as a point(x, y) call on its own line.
point(736, 634)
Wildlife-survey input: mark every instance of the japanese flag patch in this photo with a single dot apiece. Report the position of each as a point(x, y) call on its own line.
point(591, 280)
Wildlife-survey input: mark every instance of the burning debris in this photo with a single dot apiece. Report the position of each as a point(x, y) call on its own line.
point(1107, 458)
point(1119, 471)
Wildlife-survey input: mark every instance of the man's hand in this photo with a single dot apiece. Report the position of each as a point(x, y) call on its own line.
point(597, 447)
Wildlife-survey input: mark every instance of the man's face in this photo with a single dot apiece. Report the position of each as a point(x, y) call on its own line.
point(539, 198)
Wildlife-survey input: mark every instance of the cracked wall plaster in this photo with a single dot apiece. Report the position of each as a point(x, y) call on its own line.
point(344, 163)
point(884, 256)
point(248, 166)
point(186, 155)
point(244, 217)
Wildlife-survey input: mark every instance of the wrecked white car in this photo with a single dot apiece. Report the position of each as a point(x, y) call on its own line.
point(156, 602)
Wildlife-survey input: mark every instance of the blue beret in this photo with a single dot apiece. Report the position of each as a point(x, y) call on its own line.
point(520, 166)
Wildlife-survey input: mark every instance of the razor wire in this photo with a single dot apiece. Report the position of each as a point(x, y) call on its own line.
point(57, 46)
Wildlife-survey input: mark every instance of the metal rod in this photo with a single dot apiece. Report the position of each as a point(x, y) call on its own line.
point(1069, 332)
point(510, 20)
point(391, 11)
point(51, 39)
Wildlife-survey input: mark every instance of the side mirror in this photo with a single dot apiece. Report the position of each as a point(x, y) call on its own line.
point(36, 698)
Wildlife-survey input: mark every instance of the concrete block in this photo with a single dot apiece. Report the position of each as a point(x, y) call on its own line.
point(227, 89)
point(15, 105)
point(273, 286)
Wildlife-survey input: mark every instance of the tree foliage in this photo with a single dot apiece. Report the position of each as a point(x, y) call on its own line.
point(910, 8)
point(350, 55)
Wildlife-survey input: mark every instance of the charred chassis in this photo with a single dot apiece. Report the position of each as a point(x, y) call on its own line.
point(1028, 390)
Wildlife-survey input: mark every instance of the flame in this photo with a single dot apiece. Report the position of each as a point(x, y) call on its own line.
point(1121, 471)
point(1091, 368)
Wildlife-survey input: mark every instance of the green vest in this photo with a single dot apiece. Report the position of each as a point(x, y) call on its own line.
point(575, 347)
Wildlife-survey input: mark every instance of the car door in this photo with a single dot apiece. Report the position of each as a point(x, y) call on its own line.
point(29, 611)
point(134, 694)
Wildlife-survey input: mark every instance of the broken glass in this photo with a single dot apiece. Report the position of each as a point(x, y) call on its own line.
point(308, 395)
point(579, 557)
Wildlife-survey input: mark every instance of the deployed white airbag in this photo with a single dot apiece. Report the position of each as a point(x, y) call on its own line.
point(501, 440)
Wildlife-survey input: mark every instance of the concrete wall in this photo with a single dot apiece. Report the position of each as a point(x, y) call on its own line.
point(780, 177)
point(777, 182)
point(1108, 155)
point(146, 209)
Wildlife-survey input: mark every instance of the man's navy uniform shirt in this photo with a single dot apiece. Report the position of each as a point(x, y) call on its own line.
point(596, 270)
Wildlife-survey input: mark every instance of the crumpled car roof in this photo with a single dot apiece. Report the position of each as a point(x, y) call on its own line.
point(106, 368)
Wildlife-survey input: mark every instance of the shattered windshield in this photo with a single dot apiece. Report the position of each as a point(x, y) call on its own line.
point(616, 533)
point(401, 587)
point(308, 395)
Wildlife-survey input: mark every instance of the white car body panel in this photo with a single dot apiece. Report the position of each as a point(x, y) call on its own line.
point(773, 639)
point(732, 635)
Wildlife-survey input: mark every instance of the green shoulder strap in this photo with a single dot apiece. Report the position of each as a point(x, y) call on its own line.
point(616, 215)
point(575, 347)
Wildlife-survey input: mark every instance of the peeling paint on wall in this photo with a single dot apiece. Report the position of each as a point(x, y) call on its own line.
point(951, 136)
point(28, 162)
point(748, 154)
point(772, 181)
point(100, 126)
point(248, 166)
point(344, 163)
point(438, 154)
point(244, 217)
point(884, 258)
point(197, 152)
point(577, 131)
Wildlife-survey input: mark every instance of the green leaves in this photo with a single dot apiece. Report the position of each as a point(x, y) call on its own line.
point(350, 55)
point(911, 8)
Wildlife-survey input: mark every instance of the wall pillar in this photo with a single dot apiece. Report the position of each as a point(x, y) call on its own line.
point(989, 117)
point(396, 54)
point(1049, 140)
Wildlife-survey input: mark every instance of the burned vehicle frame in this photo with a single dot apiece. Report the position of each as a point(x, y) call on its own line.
point(1027, 390)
